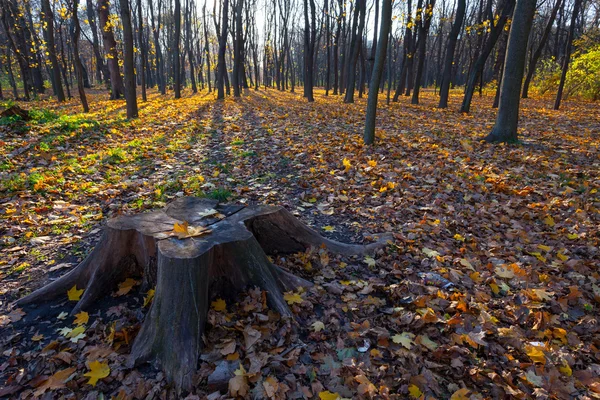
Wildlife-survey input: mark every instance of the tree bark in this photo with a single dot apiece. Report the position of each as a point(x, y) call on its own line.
point(128, 60)
point(176, 57)
point(384, 33)
point(538, 51)
point(449, 60)
point(110, 47)
point(487, 49)
point(424, 25)
point(77, 60)
point(143, 55)
point(221, 67)
point(51, 48)
point(567, 59)
point(355, 45)
point(505, 129)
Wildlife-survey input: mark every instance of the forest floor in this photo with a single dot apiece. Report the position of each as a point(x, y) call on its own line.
point(490, 288)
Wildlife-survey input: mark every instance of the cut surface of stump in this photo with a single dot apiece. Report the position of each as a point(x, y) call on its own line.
point(232, 245)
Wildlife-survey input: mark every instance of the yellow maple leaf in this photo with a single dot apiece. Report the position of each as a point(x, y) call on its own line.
point(370, 261)
point(219, 305)
point(536, 354)
point(81, 318)
point(98, 371)
point(372, 163)
point(346, 163)
point(181, 227)
point(74, 293)
point(414, 391)
point(327, 395)
point(329, 228)
point(459, 237)
point(292, 298)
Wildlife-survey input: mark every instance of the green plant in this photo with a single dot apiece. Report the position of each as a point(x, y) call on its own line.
point(220, 194)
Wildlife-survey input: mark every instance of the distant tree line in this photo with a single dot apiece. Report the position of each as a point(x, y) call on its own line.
point(235, 45)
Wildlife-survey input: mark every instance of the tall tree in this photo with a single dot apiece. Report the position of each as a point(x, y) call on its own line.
point(310, 33)
point(424, 25)
point(505, 129)
point(189, 44)
point(406, 52)
point(450, 49)
point(143, 54)
point(110, 47)
point(221, 67)
point(176, 43)
point(128, 60)
point(101, 68)
point(540, 47)
point(567, 58)
point(75, 32)
point(358, 25)
point(206, 48)
point(48, 16)
point(384, 33)
point(476, 71)
point(237, 46)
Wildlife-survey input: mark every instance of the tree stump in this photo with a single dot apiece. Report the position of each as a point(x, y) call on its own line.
point(15, 111)
point(232, 248)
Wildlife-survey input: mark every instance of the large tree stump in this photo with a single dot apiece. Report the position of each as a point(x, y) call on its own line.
point(184, 270)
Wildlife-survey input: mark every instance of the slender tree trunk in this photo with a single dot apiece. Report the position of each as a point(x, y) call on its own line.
point(221, 68)
point(51, 48)
point(176, 57)
point(408, 37)
point(423, 33)
point(384, 32)
point(505, 129)
point(143, 55)
point(101, 67)
point(452, 39)
point(206, 49)
point(78, 65)
point(477, 69)
point(355, 46)
point(128, 60)
point(110, 47)
point(538, 51)
point(567, 59)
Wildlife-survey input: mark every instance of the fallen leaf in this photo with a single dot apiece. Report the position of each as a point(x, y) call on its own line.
point(98, 370)
point(74, 293)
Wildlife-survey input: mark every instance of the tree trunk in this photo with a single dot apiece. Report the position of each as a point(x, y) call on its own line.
point(77, 59)
point(355, 45)
point(408, 37)
point(477, 69)
point(505, 129)
point(128, 60)
point(567, 59)
point(176, 57)
point(384, 33)
point(452, 39)
point(231, 255)
point(110, 47)
point(143, 55)
point(221, 68)
point(423, 33)
point(101, 67)
point(51, 48)
point(538, 51)
point(206, 50)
